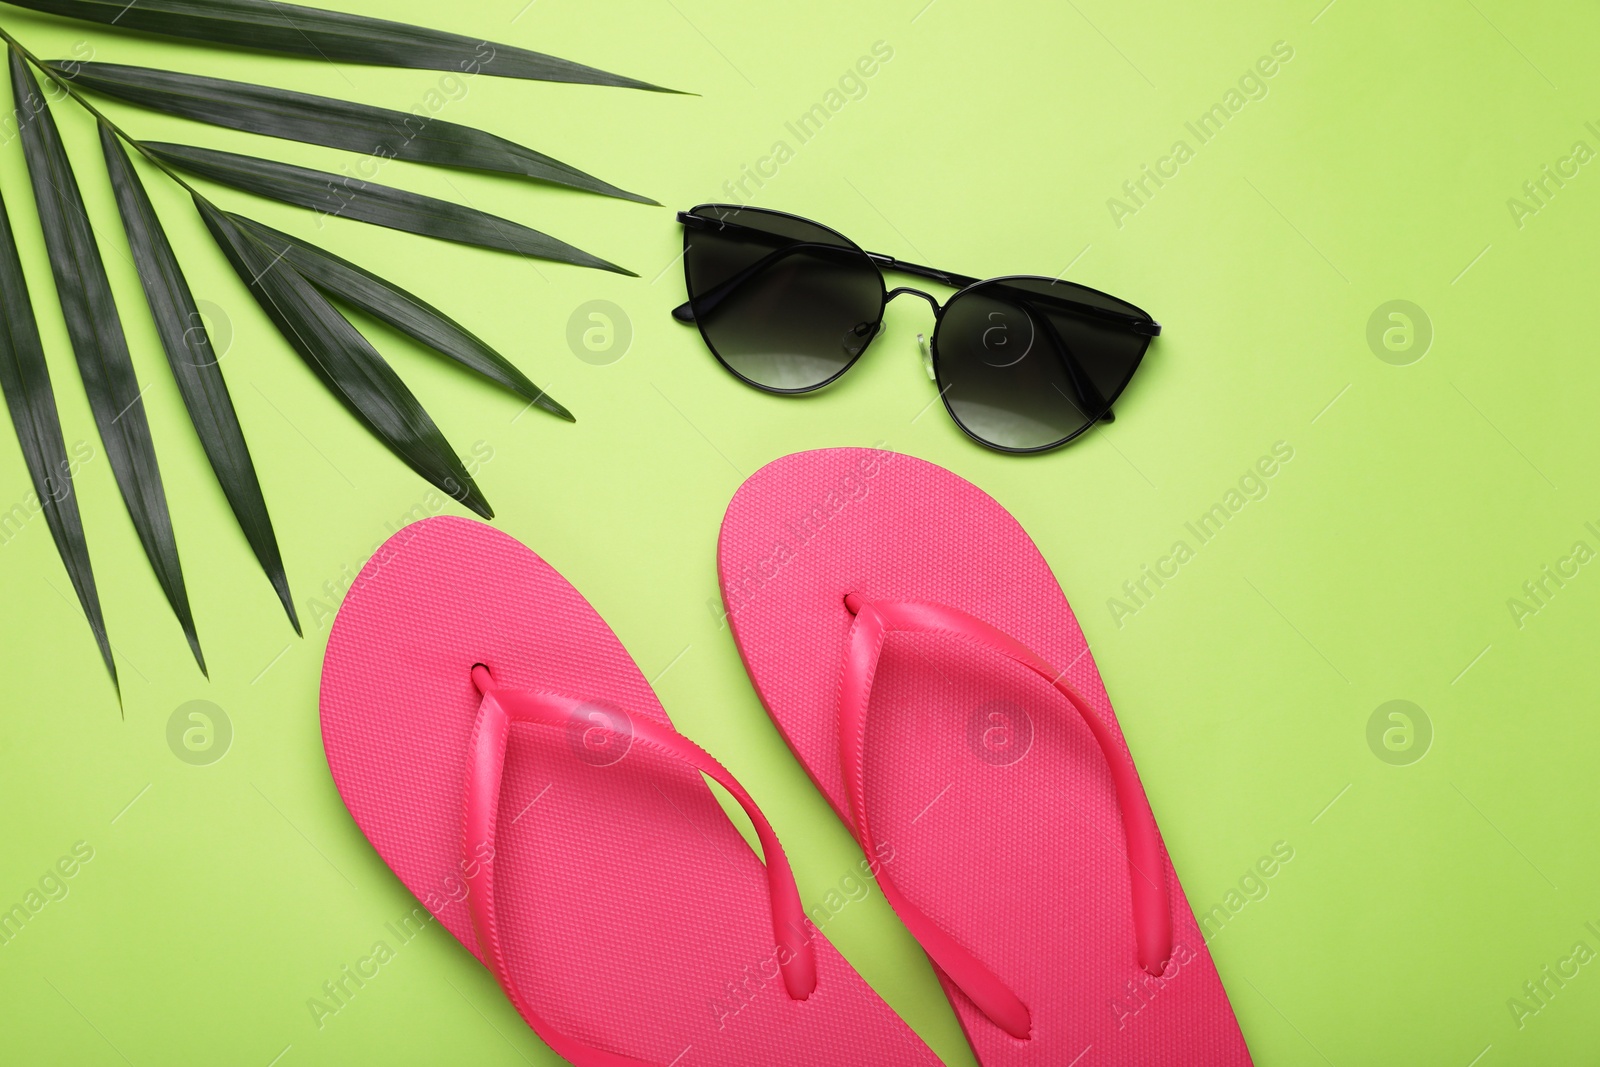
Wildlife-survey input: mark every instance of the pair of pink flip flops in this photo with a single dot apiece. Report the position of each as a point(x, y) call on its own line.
point(499, 748)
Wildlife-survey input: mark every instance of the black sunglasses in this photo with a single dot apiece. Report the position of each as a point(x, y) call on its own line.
point(1023, 363)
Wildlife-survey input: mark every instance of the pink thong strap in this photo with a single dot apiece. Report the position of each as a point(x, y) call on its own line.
point(499, 708)
point(1152, 911)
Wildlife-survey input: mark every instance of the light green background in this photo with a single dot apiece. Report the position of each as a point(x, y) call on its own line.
point(1377, 567)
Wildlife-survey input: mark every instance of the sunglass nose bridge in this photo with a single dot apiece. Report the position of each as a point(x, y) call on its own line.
point(922, 340)
point(929, 297)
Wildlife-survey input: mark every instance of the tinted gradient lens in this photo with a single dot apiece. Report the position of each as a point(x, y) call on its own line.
point(1027, 363)
point(784, 303)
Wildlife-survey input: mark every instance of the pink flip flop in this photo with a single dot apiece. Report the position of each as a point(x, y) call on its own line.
point(502, 752)
point(918, 655)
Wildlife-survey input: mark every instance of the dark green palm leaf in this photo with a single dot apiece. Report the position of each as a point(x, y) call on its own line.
point(98, 342)
point(25, 380)
point(344, 360)
point(377, 131)
point(403, 310)
point(330, 35)
point(194, 364)
point(382, 205)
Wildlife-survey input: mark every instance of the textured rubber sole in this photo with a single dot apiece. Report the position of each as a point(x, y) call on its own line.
point(987, 785)
point(635, 917)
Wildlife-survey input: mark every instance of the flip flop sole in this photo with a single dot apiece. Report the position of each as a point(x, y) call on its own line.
point(633, 914)
point(987, 786)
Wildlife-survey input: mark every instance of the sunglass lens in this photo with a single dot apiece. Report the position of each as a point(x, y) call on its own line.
point(1029, 363)
point(784, 303)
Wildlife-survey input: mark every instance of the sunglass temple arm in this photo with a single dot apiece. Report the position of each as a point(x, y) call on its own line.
point(946, 277)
